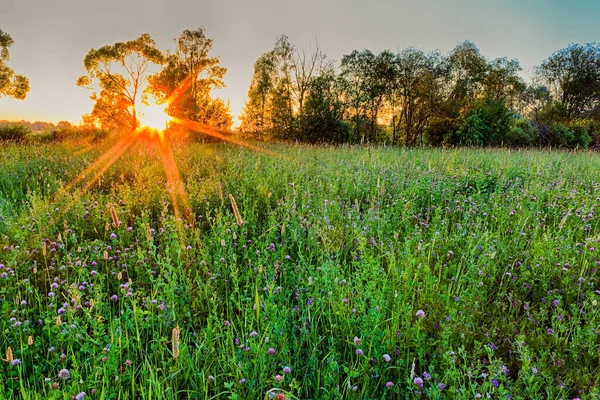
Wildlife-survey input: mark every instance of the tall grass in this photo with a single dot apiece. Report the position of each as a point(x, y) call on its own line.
point(317, 272)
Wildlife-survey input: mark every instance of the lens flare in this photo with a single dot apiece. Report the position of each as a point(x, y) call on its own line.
point(153, 115)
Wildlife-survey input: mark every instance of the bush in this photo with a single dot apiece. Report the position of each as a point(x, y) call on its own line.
point(520, 134)
point(574, 135)
point(14, 132)
point(486, 124)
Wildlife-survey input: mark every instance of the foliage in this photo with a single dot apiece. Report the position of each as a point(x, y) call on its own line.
point(573, 74)
point(187, 79)
point(119, 74)
point(321, 119)
point(11, 84)
point(520, 134)
point(14, 132)
point(270, 104)
point(486, 124)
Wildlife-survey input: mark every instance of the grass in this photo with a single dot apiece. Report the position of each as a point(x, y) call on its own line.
point(348, 273)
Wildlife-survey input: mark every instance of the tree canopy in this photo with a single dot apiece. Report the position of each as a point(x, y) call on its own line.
point(11, 84)
point(118, 74)
point(411, 97)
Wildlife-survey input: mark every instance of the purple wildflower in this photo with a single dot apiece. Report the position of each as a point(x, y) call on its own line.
point(64, 373)
point(421, 314)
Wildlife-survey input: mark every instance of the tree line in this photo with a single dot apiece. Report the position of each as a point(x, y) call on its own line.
point(417, 98)
point(410, 97)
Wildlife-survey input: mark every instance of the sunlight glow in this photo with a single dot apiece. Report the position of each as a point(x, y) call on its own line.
point(153, 115)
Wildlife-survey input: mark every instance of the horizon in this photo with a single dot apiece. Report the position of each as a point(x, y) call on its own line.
point(528, 32)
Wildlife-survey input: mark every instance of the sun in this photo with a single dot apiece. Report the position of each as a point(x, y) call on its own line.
point(154, 115)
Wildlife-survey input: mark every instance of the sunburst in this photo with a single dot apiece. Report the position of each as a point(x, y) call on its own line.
point(154, 125)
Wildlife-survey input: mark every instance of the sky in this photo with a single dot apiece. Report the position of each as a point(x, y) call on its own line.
point(52, 37)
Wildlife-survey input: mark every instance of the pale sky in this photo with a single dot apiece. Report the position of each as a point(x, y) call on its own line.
point(52, 37)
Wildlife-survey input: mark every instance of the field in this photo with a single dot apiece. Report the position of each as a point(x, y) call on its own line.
point(299, 272)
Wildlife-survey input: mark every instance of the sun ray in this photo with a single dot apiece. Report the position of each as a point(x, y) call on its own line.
point(223, 134)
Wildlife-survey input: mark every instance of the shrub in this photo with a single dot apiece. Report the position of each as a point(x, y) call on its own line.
point(520, 134)
point(486, 124)
point(14, 132)
point(558, 134)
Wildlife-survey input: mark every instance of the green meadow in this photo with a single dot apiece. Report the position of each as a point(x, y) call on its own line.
point(298, 272)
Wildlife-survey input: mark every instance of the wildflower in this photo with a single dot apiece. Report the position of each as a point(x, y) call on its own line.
point(386, 358)
point(287, 370)
point(359, 352)
point(211, 378)
point(310, 301)
point(61, 311)
point(441, 386)
point(64, 373)
point(419, 382)
point(495, 383)
point(421, 314)
point(80, 396)
point(549, 331)
point(356, 340)
point(271, 351)
point(389, 384)
point(227, 323)
point(114, 297)
point(253, 334)
point(426, 375)
point(16, 361)
point(128, 362)
point(243, 380)
point(278, 378)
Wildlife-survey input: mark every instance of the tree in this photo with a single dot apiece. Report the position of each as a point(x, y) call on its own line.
point(191, 74)
point(356, 71)
point(417, 92)
point(573, 76)
point(11, 84)
point(322, 116)
point(121, 73)
point(305, 68)
point(270, 105)
point(254, 115)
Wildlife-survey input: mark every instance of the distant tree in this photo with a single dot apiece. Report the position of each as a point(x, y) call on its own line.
point(572, 75)
point(356, 71)
point(322, 115)
point(254, 116)
point(64, 125)
point(11, 84)
point(306, 67)
point(502, 81)
point(418, 92)
point(191, 73)
point(120, 73)
point(269, 108)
